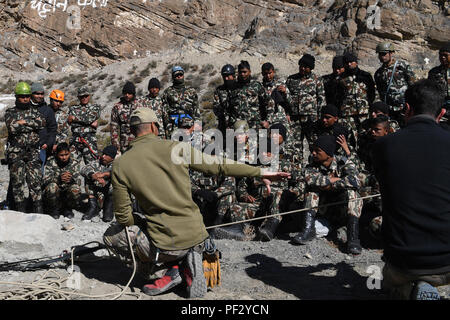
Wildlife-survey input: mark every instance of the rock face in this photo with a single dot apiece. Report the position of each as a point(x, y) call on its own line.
point(69, 35)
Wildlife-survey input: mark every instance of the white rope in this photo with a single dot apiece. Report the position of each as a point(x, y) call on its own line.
point(53, 288)
point(294, 211)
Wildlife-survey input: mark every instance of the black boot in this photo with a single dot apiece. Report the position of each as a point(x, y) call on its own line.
point(309, 228)
point(21, 206)
point(233, 232)
point(353, 244)
point(92, 211)
point(55, 212)
point(68, 213)
point(267, 231)
point(108, 215)
point(38, 207)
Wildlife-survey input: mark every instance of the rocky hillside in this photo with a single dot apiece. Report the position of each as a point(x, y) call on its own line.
point(74, 35)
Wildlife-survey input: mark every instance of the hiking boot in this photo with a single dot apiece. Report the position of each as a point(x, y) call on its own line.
point(171, 279)
point(267, 231)
point(353, 243)
point(309, 228)
point(424, 291)
point(55, 213)
point(68, 213)
point(233, 232)
point(194, 276)
point(92, 211)
point(108, 214)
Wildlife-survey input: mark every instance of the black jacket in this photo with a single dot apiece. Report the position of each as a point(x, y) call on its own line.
point(48, 134)
point(413, 169)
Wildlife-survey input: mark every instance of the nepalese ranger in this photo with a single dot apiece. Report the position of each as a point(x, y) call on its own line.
point(179, 100)
point(441, 75)
point(222, 98)
point(250, 101)
point(328, 179)
point(63, 131)
point(121, 135)
point(62, 183)
point(359, 94)
point(154, 102)
point(24, 124)
point(392, 79)
point(98, 184)
point(83, 119)
point(276, 88)
point(308, 96)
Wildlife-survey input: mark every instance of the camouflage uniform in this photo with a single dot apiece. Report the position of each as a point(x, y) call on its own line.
point(402, 79)
point(441, 76)
point(221, 107)
point(84, 137)
point(308, 96)
point(63, 132)
point(359, 95)
point(156, 104)
point(317, 176)
point(120, 124)
point(394, 126)
point(250, 102)
point(94, 188)
point(178, 100)
point(22, 152)
point(280, 110)
point(57, 192)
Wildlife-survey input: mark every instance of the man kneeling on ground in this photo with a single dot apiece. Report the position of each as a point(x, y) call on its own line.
point(169, 242)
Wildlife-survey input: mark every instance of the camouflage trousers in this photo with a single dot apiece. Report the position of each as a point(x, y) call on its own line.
point(99, 192)
point(152, 262)
point(337, 214)
point(25, 173)
point(88, 150)
point(68, 195)
point(240, 211)
point(225, 203)
point(301, 130)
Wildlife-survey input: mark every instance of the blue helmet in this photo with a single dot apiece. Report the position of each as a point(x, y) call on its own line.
point(227, 70)
point(176, 69)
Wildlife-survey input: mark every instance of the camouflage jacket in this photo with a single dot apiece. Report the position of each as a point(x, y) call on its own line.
point(63, 132)
point(282, 109)
point(156, 104)
point(95, 166)
point(334, 89)
point(250, 102)
point(53, 172)
point(120, 124)
point(308, 94)
point(317, 176)
point(402, 79)
point(23, 138)
point(84, 117)
point(222, 185)
point(179, 100)
point(442, 77)
point(359, 94)
point(221, 106)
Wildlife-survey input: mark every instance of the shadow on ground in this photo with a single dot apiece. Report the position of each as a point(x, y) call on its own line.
point(325, 281)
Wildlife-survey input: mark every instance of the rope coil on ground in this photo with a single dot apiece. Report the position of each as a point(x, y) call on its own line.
point(51, 286)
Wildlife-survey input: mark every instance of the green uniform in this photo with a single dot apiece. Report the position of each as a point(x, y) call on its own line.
point(163, 189)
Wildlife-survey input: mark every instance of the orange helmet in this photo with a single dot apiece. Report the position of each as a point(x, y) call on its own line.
point(57, 95)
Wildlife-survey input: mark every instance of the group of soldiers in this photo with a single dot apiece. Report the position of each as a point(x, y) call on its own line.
point(322, 126)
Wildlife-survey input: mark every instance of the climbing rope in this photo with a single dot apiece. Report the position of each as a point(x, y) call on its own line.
point(52, 286)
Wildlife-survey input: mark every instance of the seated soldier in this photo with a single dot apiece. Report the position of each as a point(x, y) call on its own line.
point(98, 184)
point(62, 183)
point(330, 178)
point(284, 156)
point(379, 127)
point(379, 108)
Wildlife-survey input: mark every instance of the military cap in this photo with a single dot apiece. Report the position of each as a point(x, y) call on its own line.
point(83, 91)
point(37, 87)
point(177, 70)
point(143, 115)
